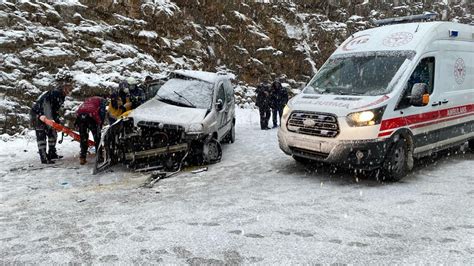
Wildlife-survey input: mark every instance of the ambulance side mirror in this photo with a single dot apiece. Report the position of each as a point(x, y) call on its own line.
point(419, 95)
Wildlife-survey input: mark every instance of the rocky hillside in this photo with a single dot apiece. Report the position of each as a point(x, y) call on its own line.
point(102, 42)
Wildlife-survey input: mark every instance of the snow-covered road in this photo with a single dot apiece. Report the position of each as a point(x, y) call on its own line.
point(256, 206)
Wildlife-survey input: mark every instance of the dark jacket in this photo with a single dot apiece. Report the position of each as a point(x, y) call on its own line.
point(49, 104)
point(95, 108)
point(263, 96)
point(278, 95)
point(137, 96)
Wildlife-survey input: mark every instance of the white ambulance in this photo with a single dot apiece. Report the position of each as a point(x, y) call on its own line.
point(387, 95)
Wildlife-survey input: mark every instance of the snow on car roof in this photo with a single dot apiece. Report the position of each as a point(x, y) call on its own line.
point(210, 77)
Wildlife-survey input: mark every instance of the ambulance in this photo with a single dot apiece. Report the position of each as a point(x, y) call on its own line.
point(386, 96)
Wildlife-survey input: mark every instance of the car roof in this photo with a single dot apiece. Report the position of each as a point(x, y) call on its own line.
point(210, 77)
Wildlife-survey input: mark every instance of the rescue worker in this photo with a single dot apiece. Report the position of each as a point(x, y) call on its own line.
point(49, 104)
point(90, 117)
point(119, 104)
point(263, 103)
point(278, 99)
point(137, 96)
point(145, 86)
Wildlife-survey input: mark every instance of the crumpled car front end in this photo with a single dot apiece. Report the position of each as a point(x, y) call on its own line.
point(155, 135)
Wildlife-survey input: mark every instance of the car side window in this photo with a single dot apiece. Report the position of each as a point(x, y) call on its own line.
point(423, 73)
point(229, 90)
point(221, 93)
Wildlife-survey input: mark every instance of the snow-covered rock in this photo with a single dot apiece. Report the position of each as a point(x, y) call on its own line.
point(103, 42)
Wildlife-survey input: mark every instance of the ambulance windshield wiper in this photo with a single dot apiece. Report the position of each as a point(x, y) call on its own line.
point(321, 90)
point(355, 93)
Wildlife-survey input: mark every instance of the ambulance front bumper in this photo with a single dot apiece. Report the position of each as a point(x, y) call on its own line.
point(359, 154)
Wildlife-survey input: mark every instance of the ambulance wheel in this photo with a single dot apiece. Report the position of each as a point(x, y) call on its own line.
point(470, 144)
point(396, 164)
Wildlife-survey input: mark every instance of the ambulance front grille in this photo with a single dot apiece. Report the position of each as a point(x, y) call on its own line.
point(314, 124)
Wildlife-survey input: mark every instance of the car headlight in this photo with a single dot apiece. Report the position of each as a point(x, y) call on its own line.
point(286, 112)
point(366, 118)
point(195, 128)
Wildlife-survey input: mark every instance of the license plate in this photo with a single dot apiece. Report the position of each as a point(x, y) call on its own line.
point(308, 143)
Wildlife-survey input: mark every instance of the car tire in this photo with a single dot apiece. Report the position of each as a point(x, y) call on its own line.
point(212, 152)
point(230, 137)
point(396, 164)
point(232, 134)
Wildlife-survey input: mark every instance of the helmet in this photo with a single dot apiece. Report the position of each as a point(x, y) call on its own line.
point(63, 76)
point(122, 85)
point(132, 81)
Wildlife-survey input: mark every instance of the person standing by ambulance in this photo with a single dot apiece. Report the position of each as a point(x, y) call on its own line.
point(263, 103)
point(278, 99)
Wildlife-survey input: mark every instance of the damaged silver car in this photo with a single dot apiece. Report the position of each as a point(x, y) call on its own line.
point(188, 119)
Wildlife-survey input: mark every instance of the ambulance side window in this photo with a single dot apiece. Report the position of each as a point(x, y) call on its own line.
point(423, 73)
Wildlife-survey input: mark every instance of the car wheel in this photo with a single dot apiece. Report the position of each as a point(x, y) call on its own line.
point(232, 134)
point(212, 151)
point(396, 164)
point(230, 137)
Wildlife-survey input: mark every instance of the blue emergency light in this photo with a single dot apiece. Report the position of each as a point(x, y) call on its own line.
point(453, 33)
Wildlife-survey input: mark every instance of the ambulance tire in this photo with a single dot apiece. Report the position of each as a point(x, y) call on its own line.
point(396, 164)
point(470, 144)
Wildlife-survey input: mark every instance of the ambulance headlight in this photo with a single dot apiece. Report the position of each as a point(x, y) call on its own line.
point(286, 112)
point(366, 118)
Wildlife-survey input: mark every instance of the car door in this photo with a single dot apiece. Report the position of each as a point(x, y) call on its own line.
point(221, 114)
point(423, 121)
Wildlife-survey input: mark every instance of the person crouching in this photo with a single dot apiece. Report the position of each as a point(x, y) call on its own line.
point(90, 117)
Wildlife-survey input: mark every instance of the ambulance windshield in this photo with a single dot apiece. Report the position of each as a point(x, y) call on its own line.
point(358, 73)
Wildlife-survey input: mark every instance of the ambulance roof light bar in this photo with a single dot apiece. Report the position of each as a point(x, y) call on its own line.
point(428, 16)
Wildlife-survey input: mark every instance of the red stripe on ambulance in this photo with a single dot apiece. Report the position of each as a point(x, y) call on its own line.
point(426, 119)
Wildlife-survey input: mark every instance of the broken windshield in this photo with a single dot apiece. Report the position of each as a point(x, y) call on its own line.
point(358, 73)
point(190, 93)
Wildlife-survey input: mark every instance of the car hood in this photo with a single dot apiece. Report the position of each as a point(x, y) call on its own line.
point(160, 112)
point(340, 105)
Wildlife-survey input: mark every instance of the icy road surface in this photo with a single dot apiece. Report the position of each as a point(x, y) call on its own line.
point(256, 206)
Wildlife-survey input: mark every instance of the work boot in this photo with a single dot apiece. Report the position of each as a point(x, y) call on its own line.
point(44, 158)
point(52, 155)
point(82, 161)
